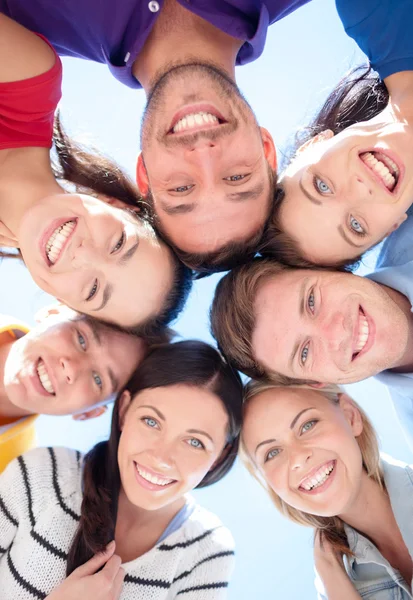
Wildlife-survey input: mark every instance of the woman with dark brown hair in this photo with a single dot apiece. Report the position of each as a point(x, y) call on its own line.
point(67, 522)
point(102, 258)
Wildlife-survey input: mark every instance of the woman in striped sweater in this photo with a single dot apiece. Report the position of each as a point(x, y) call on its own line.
point(117, 523)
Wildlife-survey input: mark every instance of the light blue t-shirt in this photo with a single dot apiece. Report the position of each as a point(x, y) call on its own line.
point(394, 268)
point(383, 31)
point(371, 574)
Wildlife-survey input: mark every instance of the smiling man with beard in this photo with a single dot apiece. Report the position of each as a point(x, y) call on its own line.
point(206, 167)
point(291, 325)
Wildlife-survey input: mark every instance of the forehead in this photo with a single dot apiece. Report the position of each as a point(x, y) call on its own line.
point(274, 410)
point(185, 404)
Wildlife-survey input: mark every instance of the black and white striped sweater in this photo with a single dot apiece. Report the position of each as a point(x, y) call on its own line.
point(40, 499)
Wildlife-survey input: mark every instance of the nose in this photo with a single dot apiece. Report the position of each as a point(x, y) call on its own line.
point(162, 454)
point(85, 255)
point(69, 368)
point(336, 331)
point(362, 190)
point(299, 456)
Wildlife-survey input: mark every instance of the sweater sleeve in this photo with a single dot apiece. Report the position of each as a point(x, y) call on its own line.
point(208, 575)
point(13, 508)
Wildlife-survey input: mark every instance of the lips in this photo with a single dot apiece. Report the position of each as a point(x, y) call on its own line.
point(192, 119)
point(317, 478)
point(44, 378)
point(383, 167)
point(362, 334)
point(56, 239)
point(150, 479)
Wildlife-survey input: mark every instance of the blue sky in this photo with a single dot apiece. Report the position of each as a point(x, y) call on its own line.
point(305, 55)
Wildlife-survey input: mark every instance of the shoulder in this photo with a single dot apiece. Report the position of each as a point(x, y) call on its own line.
point(202, 532)
point(353, 12)
point(8, 323)
point(397, 249)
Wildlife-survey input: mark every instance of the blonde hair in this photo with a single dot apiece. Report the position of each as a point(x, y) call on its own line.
point(330, 529)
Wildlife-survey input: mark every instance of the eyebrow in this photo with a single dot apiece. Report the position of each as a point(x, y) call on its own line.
point(158, 412)
point(293, 423)
point(306, 193)
point(180, 209)
point(342, 232)
point(108, 291)
point(199, 431)
point(301, 299)
point(113, 380)
point(251, 194)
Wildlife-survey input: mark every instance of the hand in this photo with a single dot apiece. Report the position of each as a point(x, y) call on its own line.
point(85, 582)
point(325, 557)
point(7, 238)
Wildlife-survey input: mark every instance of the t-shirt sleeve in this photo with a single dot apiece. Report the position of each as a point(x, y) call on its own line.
point(27, 109)
point(382, 30)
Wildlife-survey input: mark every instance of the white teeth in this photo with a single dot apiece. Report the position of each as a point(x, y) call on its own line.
point(57, 239)
point(194, 120)
point(44, 377)
point(363, 333)
point(317, 479)
point(384, 166)
point(152, 478)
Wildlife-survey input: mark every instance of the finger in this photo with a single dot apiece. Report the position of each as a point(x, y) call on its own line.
point(118, 583)
point(96, 562)
point(110, 570)
point(8, 242)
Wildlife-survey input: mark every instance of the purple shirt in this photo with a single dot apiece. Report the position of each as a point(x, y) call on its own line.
point(114, 31)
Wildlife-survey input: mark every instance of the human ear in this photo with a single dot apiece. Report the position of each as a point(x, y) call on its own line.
point(142, 176)
point(351, 413)
point(317, 384)
point(123, 405)
point(320, 137)
point(90, 414)
point(397, 224)
point(269, 148)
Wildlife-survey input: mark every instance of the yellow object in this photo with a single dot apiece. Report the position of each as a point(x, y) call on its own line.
point(18, 437)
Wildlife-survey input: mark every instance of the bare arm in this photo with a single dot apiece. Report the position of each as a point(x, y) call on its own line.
point(332, 581)
point(23, 54)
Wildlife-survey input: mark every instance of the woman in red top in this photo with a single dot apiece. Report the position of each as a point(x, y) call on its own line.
point(97, 257)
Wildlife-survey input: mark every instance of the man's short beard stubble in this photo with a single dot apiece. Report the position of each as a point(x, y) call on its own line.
point(226, 88)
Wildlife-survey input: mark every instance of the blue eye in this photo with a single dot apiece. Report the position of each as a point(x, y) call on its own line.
point(356, 227)
point(82, 341)
point(196, 443)
point(321, 186)
point(304, 354)
point(311, 301)
point(309, 425)
point(182, 188)
point(272, 454)
point(150, 422)
point(235, 177)
point(98, 380)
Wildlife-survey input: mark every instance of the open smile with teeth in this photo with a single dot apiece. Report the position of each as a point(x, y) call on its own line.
point(196, 121)
point(383, 166)
point(44, 377)
point(58, 240)
point(154, 479)
point(318, 478)
point(362, 335)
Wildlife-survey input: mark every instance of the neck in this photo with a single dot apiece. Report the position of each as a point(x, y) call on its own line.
point(400, 87)
point(405, 363)
point(8, 411)
point(193, 40)
point(371, 513)
point(28, 178)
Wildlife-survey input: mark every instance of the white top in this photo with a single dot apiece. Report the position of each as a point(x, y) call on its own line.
point(40, 499)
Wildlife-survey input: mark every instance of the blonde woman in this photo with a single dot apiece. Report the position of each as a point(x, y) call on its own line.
point(316, 453)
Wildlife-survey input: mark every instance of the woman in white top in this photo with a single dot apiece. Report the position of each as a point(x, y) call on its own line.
point(68, 523)
point(316, 453)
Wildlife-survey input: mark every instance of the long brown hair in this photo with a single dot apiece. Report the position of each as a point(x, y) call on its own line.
point(330, 529)
point(189, 362)
point(359, 96)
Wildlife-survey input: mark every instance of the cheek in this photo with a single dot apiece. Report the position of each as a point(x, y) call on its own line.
point(193, 468)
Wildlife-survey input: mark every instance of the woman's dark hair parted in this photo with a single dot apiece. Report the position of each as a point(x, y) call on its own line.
point(358, 97)
point(193, 363)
